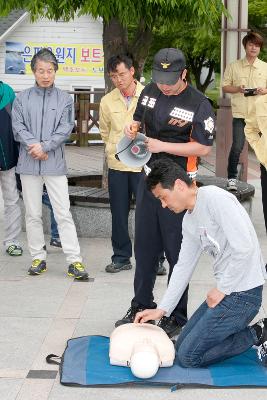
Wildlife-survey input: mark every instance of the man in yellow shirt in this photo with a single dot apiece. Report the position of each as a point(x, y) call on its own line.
point(256, 135)
point(244, 79)
point(116, 110)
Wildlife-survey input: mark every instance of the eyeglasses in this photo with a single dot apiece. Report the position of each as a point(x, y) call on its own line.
point(121, 75)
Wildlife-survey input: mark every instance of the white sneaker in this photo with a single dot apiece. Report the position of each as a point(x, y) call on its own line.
point(232, 184)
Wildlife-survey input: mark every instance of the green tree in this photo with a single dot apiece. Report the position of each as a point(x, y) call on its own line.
point(257, 21)
point(118, 15)
point(202, 51)
point(257, 9)
point(201, 47)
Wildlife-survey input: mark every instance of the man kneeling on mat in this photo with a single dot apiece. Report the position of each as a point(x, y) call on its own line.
point(217, 224)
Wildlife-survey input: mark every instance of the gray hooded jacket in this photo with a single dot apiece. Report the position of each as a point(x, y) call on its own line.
point(46, 116)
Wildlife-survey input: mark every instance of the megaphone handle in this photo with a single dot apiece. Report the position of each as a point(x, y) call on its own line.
point(125, 148)
point(135, 127)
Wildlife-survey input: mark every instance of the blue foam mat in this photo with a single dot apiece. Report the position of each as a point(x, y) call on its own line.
point(85, 362)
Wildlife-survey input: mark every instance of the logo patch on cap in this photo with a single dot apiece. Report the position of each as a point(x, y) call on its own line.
point(165, 65)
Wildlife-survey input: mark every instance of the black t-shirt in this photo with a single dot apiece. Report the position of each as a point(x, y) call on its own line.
point(176, 119)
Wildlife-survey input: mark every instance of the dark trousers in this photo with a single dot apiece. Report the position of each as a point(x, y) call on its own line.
point(237, 146)
point(264, 193)
point(122, 186)
point(157, 229)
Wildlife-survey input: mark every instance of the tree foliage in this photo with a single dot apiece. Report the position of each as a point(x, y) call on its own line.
point(126, 11)
point(203, 50)
point(258, 9)
point(201, 47)
point(257, 21)
point(144, 17)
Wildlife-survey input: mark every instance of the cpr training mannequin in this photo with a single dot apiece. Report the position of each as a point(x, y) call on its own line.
point(142, 347)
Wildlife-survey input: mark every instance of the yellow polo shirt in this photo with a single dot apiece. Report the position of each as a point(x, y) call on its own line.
point(240, 73)
point(114, 114)
point(256, 128)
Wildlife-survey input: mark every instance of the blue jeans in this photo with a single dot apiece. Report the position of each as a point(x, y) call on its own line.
point(46, 202)
point(237, 146)
point(214, 334)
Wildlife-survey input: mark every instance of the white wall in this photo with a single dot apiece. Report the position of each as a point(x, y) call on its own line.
point(83, 30)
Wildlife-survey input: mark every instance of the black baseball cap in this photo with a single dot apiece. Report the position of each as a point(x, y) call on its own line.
point(167, 66)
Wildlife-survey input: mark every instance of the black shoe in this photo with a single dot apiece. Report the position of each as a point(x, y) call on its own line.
point(55, 242)
point(262, 349)
point(170, 326)
point(117, 267)
point(161, 269)
point(130, 316)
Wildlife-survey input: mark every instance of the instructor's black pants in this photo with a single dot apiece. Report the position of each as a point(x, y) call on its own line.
point(157, 229)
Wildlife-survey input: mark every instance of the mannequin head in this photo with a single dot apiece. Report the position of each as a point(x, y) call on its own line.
point(144, 361)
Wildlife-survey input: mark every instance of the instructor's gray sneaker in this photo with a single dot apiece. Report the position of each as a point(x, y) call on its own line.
point(117, 267)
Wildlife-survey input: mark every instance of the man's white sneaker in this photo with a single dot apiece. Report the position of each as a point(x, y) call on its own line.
point(232, 184)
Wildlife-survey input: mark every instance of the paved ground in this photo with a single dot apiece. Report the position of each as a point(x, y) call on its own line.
point(39, 314)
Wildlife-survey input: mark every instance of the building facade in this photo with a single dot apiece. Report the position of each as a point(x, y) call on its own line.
point(77, 45)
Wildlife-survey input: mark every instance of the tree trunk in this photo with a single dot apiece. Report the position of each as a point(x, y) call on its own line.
point(105, 171)
point(140, 47)
point(196, 64)
point(208, 79)
point(115, 41)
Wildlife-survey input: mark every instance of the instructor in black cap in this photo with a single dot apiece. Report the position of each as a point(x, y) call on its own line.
point(179, 122)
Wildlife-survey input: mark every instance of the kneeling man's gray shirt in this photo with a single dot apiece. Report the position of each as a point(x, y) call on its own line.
point(219, 226)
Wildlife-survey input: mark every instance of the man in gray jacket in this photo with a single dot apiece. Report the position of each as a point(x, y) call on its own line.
point(215, 223)
point(42, 119)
